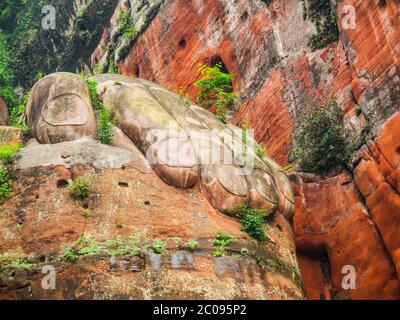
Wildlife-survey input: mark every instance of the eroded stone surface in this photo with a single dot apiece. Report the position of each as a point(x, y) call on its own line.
point(59, 109)
point(82, 151)
point(126, 203)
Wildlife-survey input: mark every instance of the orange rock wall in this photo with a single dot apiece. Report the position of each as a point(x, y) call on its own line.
point(340, 220)
point(331, 220)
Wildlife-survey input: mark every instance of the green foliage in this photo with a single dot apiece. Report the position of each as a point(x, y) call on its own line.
point(245, 251)
point(82, 247)
point(85, 246)
point(113, 67)
point(11, 261)
point(32, 48)
point(120, 246)
point(5, 184)
point(158, 246)
point(215, 90)
point(253, 221)
point(224, 102)
point(220, 242)
point(192, 244)
point(320, 144)
point(6, 78)
point(126, 26)
point(105, 116)
point(86, 213)
point(321, 13)
point(289, 167)
point(92, 86)
point(7, 152)
point(80, 189)
point(70, 254)
point(105, 125)
point(17, 112)
point(289, 270)
point(261, 152)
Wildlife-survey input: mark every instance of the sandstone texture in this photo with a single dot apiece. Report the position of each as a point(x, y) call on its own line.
point(41, 219)
point(148, 226)
point(59, 109)
point(277, 76)
point(349, 218)
point(339, 230)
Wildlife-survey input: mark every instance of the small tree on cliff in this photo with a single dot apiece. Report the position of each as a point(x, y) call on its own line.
point(320, 144)
point(215, 90)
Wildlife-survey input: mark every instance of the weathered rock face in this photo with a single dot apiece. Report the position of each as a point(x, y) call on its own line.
point(265, 47)
point(127, 204)
point(372, 50)
point(133, 235)
point(343, 221)
point(183, 144)
point(339, 229)
point(276, 74)
point(377, 177)
point(59, 109)
point(246, 36)
point(46, 37)
point(115, 40)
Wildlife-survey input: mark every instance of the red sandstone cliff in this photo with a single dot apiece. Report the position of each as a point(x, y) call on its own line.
point(339, 220)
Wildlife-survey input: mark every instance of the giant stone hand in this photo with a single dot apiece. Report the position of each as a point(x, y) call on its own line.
point(184, 144)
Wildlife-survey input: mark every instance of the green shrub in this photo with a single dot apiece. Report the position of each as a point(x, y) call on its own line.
point(215, 90)
point(80, 189)
point(83, 247)
point(261, 152)
point(7, 92)
point(105, 125)
point(158, 246)
point(120, 246)
point(220, 242)
point(88, 247)
point(320, 144)
point(126, 26)
point(7, 152)
point(192, 244)
point(321, 13)
point(86, 213)
point(12, 261)
point(253, 221)
point(5, 184)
